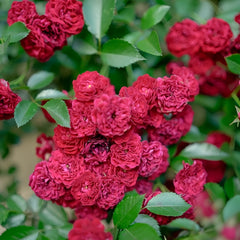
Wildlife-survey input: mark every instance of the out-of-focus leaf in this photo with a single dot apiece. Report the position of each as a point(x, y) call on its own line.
point(184, 223)
point(14, 220)
point(232, 187)
point(232, 208)
point(40, 80)
point(233, 63)
point(119, 53)
point(3, 213)
point(16, 203)
point(194, 135)
point(51, 94)
point(154, 15)
point(35, 203)
point(215, 191)
point(127, 14)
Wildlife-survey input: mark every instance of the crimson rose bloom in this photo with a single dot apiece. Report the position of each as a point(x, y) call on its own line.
point(47, 146)
point(43, 185)
point(184, 38)
point(67, 13)
point(8, 101)
point(90, 85)
point(23, 11)
point(111, 192)
point(112, 114)
point(216, 35)
point(90, 211)
point(64, 168)
point(86, 188)
point(191, 179)
point(88, 228)
point(127, 154)
point(173, 94)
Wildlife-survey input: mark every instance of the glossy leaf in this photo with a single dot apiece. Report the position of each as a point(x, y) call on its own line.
point(233, 63)
point(154, 15)
point(184, 223)
point(40, 80)
point(168, 204)
point(16, 32)
point(127, 210)
point(58, 111)
point(232, 208)
point(139, 231)
point(24, 112)
point(150, 44)
point(98, 15)
point(20, 233)
point(51, 94)
point(143, 218)
point(16, 203)
point(203, 151)
point(119, 53)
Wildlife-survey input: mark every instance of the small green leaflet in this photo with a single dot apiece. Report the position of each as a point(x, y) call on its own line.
point(127, 210)
point(58, 111)
point(150, 44)
point(16, 203)
point(51, 94)
point(232, 208)
point(98, 15)
point(215, 191)
point(233, 63)
point(16, 32)
point(3, 213)
point(24, 112)
point(184, 223)
point(154, 15)
point(119, 53)
point(40, 80)
point(168, 204)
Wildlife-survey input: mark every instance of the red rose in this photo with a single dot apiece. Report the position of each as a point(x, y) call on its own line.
point(152, 156)
point(86, 188)
point(67, 13)
point(23, 11)
point(146, 85)
point(63, 168)
point(190, 180)
point(8, 101)
point(154, 118)
point(81, 120)
point(139, 104)
point(111, 192)
point(143, 186)
point(112, 115)
point(46, 148)
point(90, 211)
point(67, 200)
point(88, 228)
point(184, 38)
point(90, 85)
point(170, 131)
point(67, 140)
point(237, 18)
point(216, 35)
point(43, 185)
point(127, 154)
point(173, 94)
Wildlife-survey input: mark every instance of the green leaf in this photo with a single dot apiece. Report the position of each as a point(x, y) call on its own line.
point(64, 230)
point(35, 203)
point(232, 187)
point(58, 111)
point(16, 203)
point(98, 15)
point(24, 112)
point(127, 210)
point(52, 234)
point(119, 53)
point(20, 233)
point(168, 204)
point(126, 15)
point(51, 94)
point(233, 63)
point(139, 231)
point(143, 218)
point(150, 44)
point(232, 208)
point(215, 191)
point(194, 135)
point(132, 37)
point(40, 80)
point(16, 32)
point(14, 220)
point(184, 223)
point(203, 151)
point(3, 214)
point(53, 215)
point(153, 16)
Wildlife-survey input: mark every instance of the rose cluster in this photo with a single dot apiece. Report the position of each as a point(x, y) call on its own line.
point(8, 100)
point(101, 156)
point(48, 32)
point(206, 45)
